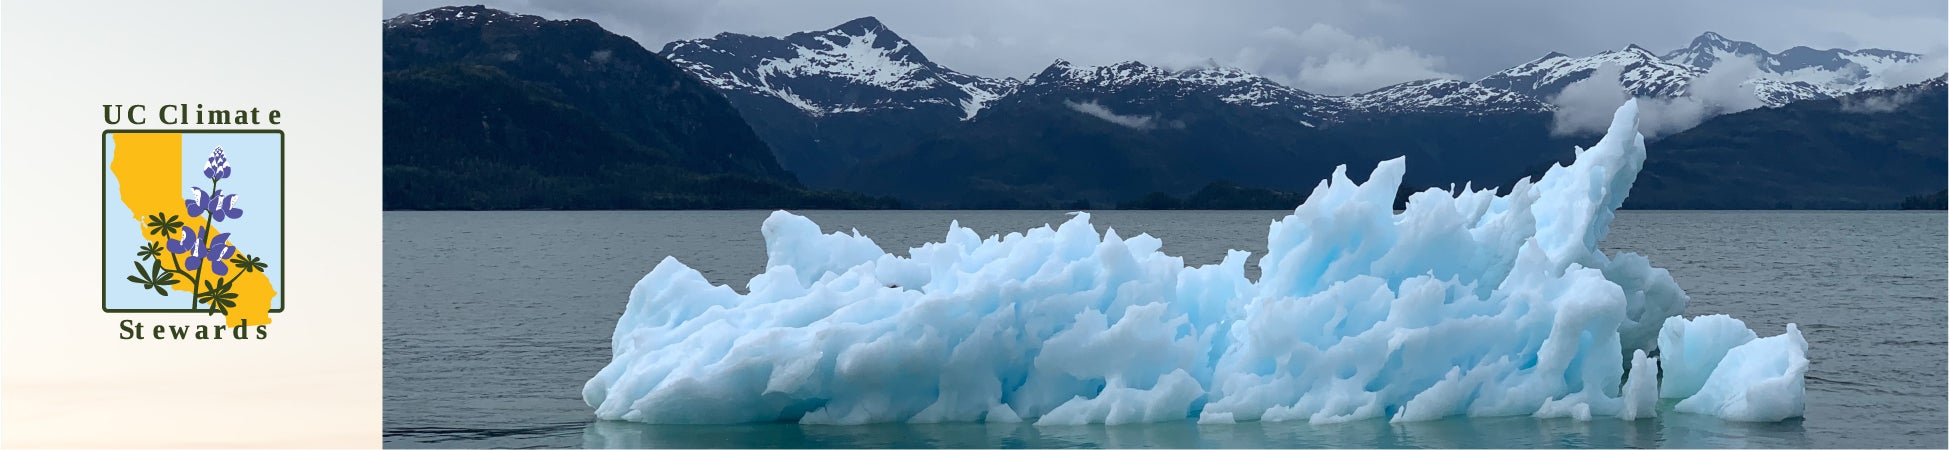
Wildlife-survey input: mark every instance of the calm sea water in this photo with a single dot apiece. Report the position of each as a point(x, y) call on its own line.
point(495, 319)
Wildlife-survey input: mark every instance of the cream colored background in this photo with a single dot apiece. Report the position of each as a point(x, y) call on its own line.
point(65, 377)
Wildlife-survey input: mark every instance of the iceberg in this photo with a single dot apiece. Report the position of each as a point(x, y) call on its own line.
point(1464, 303)
point(1692, 348)
point(1763, 380)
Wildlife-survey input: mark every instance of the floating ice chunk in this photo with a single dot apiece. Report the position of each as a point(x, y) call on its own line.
point(1763, 380)
point(1691, 348)
point(1641, 396)
point(1464, 303)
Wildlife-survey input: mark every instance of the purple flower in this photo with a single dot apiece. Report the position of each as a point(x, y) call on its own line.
point(186, 244)
point(219, 206)
point(217, 167)
point(199, 202)
point(216, 251)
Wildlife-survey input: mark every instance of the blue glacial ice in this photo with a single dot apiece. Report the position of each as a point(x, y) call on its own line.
point(1757, 379)
point(1465, 303)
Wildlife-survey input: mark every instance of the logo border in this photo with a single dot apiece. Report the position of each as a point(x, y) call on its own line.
point(286, 301)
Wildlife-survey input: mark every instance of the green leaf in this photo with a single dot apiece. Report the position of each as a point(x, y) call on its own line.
point(152, 250)
point(248, 263)
point(153, 277)
point(164, 226)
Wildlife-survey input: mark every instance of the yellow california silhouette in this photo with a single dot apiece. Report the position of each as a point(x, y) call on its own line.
point(149, 168)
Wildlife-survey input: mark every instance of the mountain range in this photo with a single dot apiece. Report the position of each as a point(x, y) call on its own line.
point(490, 110)
point(857, 108)
point(1863, 150)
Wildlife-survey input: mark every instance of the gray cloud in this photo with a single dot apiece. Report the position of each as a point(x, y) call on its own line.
point(1099, 111)
point(1586, 106)
point(1388, 39)
point(1327, 60)
point(1720, 91)
point(1932, 65)
point(1877, 103)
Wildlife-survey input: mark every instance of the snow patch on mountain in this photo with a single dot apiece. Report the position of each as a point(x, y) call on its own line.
point(1150, 84)
point(858, 66)
point(1140, 83)
point(1641, 73)
point(1710, 48)
point(1440, 95)
point(474, 15)
point(1888, 99)
point(863, 66)
point(1760, 78)
point(1800, 73)
point(856, 59)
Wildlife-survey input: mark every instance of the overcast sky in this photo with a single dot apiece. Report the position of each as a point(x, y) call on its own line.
point(1329, 47)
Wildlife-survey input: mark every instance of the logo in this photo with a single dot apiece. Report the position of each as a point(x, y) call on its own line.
point(193, 222)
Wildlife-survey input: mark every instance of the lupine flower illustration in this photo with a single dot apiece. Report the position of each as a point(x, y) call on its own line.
point(199, 201)
point(187, 244)
point(199, 244)
point(217, 167)
point(216, 250)
point(218, 205)
point(226, 206)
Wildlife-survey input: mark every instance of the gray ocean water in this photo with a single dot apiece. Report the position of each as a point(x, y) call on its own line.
point(494, 320)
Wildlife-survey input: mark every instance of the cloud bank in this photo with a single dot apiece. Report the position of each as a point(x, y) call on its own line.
point(1099, 111)
point(1931, 65)
point(1872, 104)
point(1327, 60)
point(1585, 107)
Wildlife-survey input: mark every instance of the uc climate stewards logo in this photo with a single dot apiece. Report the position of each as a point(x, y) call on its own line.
point(193, 223)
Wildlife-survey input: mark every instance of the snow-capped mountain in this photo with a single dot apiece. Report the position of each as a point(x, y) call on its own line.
point(1800, 73)
point(1444, 96)
point(1832, 72)
point(1867, 149)
point(828, 101)
point(467, 16)
point(1711, 48)
point(857, 66)
point(863, 65)
point(1775, 92)
point(1137, 83)
point(478, 100)
point(1641, 73)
